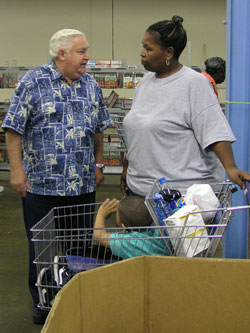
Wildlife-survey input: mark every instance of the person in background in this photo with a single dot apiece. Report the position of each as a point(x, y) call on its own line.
point(54, 136)
point(131, 211)
point(215, 72)
point(175, 128)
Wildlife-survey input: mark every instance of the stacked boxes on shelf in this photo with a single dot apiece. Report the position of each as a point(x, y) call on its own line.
point(132, 80)
point(117, 79)
point(107, 63)
point(112, 147)
point(3, 152)
point(123, 103)
point(107, 80)
point(113, 159)
point(8, 80)
point(9, 76)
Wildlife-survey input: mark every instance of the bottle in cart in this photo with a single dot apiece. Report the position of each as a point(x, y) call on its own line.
point(172, 197)
point(161, 207)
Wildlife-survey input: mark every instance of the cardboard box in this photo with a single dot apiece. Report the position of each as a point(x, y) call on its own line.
point(157, 295)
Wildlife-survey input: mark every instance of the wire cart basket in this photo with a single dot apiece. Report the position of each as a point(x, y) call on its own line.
point(64, 240)
point(189, 235)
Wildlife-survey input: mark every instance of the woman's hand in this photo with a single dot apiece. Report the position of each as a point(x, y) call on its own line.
point(224, 152)
point(238, 176)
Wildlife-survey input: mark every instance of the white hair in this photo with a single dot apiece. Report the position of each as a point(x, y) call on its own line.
point(62, 40)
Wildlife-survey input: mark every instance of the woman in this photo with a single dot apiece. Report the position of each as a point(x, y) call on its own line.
point(176, 127)
point(215, 72)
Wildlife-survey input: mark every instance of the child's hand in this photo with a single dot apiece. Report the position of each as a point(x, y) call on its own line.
point(108, 207)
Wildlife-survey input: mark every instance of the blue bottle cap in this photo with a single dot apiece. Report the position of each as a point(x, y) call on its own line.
point(158, 196)
point(162, 180)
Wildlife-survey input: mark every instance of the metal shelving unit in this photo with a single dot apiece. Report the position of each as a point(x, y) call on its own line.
point(9, 76)
point(114, 146)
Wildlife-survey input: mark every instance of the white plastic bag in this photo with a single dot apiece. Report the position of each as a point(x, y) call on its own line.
point(204, 197)
point(187, 232)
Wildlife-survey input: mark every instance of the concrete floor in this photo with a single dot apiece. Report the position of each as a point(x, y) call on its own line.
point(15, 302)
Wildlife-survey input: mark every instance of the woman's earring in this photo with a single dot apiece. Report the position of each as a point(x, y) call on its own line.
point(167, 62)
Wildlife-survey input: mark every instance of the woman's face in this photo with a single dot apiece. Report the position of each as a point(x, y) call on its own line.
point(153, 56)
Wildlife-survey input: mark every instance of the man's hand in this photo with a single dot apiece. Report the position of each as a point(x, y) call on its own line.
point(19, 181)
point(99, 176)
point(18, 178)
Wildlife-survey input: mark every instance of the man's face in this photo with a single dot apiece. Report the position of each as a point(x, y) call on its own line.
point(75, 60)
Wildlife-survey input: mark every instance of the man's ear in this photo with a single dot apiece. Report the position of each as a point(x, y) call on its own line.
point(61, 54)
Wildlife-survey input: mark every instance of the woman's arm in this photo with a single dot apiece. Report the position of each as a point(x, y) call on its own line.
point(224, 152)
point(123, 182)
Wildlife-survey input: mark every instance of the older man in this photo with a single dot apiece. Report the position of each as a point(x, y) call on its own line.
point(54, 137)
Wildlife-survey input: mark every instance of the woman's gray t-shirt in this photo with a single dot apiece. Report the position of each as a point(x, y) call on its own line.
point(170, 129)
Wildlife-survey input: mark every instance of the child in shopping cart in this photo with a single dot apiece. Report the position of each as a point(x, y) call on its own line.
point(129, 242)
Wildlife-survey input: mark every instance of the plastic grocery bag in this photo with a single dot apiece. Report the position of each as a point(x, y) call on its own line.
point(204, 197)
point(187, 231)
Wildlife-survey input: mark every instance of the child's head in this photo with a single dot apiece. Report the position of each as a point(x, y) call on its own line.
point(132, 212)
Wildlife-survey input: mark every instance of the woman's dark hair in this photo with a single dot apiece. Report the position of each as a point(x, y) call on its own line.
point(170, 33)
point(214, 65)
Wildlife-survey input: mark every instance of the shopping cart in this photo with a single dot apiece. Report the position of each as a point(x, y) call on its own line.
point(64, 243)
point(190, 236)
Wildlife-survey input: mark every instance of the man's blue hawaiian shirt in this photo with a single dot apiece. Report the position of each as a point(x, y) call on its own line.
point(57, 122)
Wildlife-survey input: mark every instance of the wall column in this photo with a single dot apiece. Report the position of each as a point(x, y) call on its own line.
point(235, 244)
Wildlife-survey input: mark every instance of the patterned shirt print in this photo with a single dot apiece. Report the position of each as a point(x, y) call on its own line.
point(57, 122)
